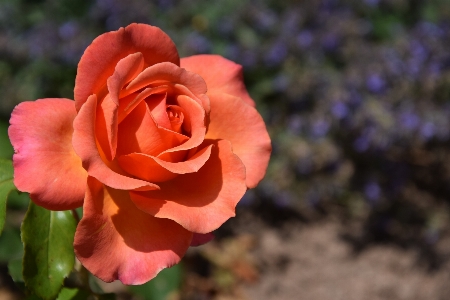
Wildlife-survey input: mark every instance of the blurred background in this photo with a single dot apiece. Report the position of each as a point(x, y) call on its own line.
point(356, 98)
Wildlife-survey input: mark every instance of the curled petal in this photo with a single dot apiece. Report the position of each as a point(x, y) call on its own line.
point(85, 146)
point(194, 123)
point(221, 75)
point(108, 112)
point(200, 201)
point(101, 57)
point(242, 125)
point(167, 73)
point(129, 102)
point(126, 69)
point(157, 105)
point(153, 169)
point(106, 127)
point(115, 240)
point(139, 133)
point(176, 117)
point(45, 164)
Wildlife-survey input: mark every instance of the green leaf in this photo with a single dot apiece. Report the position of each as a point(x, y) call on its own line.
point(15, 269)
point(72, 294)
point(47, 237)
point(6, 186)
point(167, 282)
point(10, 245)
point(18, 200)
point(6, 149)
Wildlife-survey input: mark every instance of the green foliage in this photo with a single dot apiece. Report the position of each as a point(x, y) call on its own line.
point(6, 149)
point(18, 201)
point(10, 245)
point(72, 294)
point(15, 267)
point(6, 186)
point(47, 237)
point(167, 282)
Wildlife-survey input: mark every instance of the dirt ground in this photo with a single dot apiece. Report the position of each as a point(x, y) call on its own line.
point(315, 262)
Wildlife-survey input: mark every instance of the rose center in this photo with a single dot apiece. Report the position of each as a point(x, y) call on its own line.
point(176, 117)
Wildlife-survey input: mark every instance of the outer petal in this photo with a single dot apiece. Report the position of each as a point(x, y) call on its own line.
point(101, 57)
point(85, 146)
point(115, 240)
point(200, 201)
point(241, 124)
point(221, 75)
point(45, 164)
point(199, 239)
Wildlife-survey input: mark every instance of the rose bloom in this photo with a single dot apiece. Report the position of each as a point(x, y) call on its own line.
point(158, 150)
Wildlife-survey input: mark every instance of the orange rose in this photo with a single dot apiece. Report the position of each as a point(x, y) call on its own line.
point(157, 150)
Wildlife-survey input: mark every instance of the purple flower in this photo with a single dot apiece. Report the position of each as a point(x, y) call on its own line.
point(330, 42)
point(305, 39)
point(276, 54)
point(371, 2)
point(428, 130)
point(165, 4)
point(198, 43)
point(248, 59)
point(68, 30)
point(361, 144)
point(372, 191)
point(339, 110)
point(409, 120)
point(375, 83)
point(295, 124)
point(320, 128)
point(282, 199)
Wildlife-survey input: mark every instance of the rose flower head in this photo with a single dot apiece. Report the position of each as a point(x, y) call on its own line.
point(158, 150)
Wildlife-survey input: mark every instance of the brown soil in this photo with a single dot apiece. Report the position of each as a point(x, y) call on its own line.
point(314, 262)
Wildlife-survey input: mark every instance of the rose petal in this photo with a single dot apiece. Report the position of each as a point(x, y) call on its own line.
point(194, 121)
point(221, 75)
point(101, 57)
point(199, 239)
point(169, 74)
point(115, 240)
point(126, 70)
point(241, 124)
point(153, 169)
point(85, 146)
point(129, 102)
point(106, 127)
point(107, 114)
point(139, 133)
point(157, 105)
point(45, 164)
point(175, 115)
point(200, 201)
